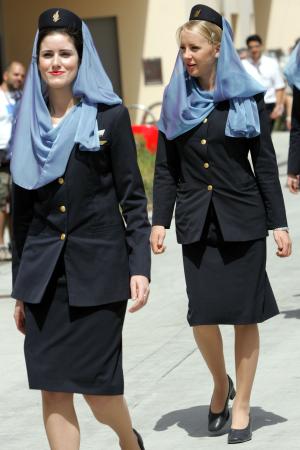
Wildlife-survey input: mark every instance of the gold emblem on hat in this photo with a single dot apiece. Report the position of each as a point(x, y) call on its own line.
point(56, 16)
point(197, 12)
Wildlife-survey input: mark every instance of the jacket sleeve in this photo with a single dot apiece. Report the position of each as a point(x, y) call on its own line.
point(166, 178)
point(266, 171)
point(294, 150)
point(22, 215)
point(131, 194)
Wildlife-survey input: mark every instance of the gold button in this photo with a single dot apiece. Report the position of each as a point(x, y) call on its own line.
point(61, 180)
point(205, 120)
point(62, 208)
point(203, 141)
point(206, 165)
point(62, 237)
point(209, 187)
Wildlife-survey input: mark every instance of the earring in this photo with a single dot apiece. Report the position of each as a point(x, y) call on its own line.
point(217, 55)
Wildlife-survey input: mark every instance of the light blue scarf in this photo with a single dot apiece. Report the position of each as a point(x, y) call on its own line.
point(292, 68)
point(40, 152)
point(185, 104)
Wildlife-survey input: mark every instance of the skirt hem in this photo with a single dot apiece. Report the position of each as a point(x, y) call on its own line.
point(240, 322)
point(75, 389)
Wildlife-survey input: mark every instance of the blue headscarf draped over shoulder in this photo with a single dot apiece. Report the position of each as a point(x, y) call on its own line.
point(185, 104)
point(292, 68)
point(40, 152)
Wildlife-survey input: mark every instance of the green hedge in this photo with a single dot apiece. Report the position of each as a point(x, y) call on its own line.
point(146, 161)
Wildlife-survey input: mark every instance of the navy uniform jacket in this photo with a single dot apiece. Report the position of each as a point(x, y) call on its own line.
point(203, 166)
point(80, 216)
point(294, 151)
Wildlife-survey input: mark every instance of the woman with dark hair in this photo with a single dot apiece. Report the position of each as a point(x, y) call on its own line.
point(81, 231)
point(213, 114)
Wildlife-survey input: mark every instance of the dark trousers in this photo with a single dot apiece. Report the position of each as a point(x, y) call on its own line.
point(269, 108)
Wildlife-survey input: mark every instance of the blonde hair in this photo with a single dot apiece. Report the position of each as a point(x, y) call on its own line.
point(208, 30)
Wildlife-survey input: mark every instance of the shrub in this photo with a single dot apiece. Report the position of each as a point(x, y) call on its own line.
point(146, 162)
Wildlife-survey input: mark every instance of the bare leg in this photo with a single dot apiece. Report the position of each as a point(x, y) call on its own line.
point(112, 410)
point(246, 357)
point(210, 343)
point(60, 421)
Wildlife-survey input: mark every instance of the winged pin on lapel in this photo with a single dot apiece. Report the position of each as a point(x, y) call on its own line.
point(101, 133)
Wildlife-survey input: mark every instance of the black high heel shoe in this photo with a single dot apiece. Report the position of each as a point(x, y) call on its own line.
point(240, 436)
point(216, 421)
point(139, 439)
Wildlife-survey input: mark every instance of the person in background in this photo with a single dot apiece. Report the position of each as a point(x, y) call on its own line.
point(243, 53)
point(10, 93)
point(292, 74)
point(266, 70)
point(288, 105)
point(288, 101)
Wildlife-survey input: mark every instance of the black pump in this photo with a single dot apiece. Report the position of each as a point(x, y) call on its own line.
point(139, 439)
point(240, 436)
point(216, 421)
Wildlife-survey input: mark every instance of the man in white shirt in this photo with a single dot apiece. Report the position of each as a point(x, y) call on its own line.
point(10, 93)
point(266, 70)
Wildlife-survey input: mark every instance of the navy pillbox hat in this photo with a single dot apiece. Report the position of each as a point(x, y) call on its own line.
point(203, 12)
point(59, 18)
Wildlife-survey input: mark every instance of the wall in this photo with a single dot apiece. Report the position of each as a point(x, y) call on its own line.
point(21, 23)
point(278, 22)
point(160, 41)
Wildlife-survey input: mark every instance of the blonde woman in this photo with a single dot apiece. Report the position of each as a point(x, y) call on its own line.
point(213, 114)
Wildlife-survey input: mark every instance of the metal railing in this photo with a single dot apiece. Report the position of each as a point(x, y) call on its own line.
point(147, 112)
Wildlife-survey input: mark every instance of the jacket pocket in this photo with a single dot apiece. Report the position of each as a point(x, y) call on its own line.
point(188, 195)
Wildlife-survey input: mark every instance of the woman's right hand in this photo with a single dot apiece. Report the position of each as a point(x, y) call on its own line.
point(293, 183)
point(157, 238)
point(19, 316)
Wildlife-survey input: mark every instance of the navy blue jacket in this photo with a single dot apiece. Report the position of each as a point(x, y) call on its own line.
point(203, 166)
point(95, 215)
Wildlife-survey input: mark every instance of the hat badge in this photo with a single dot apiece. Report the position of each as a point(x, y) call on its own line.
point(56, 16)
point(197, 12)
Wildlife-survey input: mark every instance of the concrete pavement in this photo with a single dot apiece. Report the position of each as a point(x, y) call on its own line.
point(167, 384)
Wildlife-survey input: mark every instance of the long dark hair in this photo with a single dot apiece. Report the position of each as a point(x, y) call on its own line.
point(74, 33)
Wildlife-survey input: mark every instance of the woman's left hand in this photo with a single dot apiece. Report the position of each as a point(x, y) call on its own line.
point(139, 286)
point(284, 243)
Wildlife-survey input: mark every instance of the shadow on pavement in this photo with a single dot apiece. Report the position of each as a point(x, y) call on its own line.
point(291, 314)
point(194, 420)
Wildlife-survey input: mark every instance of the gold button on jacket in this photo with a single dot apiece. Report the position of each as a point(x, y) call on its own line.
point(209, 187)
point(90, 190)
point(203, 141)
point(206, 165)
point(205, 120)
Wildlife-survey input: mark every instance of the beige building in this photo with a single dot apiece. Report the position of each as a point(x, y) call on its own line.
point(136, 38)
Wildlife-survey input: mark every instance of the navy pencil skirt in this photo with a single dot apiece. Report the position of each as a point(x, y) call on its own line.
point(227, 282)
point(74, 349)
